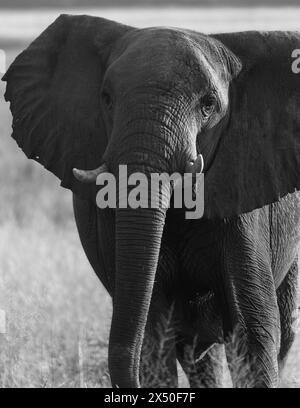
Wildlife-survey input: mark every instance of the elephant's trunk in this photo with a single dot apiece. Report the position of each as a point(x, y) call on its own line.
point(138, 238)
point(146, 146)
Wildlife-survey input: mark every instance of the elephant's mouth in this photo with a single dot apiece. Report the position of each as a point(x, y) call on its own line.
point(203, 317)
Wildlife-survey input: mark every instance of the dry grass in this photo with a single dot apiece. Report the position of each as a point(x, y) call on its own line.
point(57, 312)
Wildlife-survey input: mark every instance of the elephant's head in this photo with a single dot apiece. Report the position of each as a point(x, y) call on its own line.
point(90, 92)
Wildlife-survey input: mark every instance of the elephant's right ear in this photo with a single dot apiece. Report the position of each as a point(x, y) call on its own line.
point(54, 90)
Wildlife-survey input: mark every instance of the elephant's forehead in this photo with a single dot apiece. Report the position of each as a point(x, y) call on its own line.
point(162, 44)
point(161, 54)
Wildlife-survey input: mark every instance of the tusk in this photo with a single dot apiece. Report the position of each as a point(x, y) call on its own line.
point(195, 167)
point(89, 176)
point(199, 164)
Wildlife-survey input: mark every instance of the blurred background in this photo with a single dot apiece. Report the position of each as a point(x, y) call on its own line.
point(54, 313)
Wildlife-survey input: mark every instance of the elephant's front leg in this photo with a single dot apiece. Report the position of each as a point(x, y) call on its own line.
point(250, 310)
point(287, 303)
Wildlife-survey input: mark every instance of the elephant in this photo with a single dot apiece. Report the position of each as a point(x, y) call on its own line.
point(89, 95)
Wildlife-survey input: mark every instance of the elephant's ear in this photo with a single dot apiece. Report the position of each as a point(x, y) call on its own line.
point(54, 89)
point(258, 157)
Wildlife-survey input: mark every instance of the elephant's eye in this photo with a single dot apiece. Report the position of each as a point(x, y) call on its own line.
point(208, 105)
point(107, 99)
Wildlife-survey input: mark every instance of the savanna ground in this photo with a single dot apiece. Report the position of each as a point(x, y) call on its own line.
point(57, 312)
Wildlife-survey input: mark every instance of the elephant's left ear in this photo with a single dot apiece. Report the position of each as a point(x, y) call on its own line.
point(54, 90)
point(258, 157)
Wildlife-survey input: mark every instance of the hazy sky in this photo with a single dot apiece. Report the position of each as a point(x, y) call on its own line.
point(89, 3)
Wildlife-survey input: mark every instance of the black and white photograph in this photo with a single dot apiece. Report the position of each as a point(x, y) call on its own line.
point(149, 196)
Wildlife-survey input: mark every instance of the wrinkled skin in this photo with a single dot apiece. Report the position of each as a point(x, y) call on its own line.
point(89, 91)
point(190, 285)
